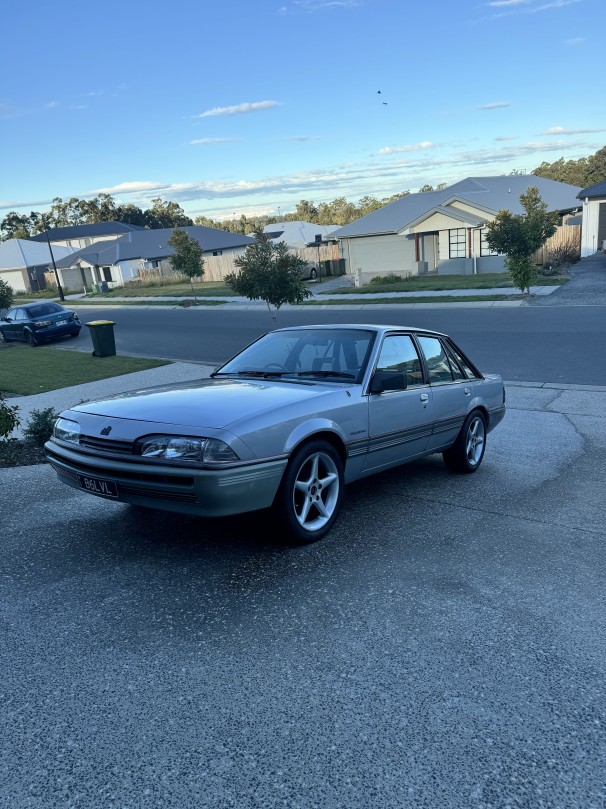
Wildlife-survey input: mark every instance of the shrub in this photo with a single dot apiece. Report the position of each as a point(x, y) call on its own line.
point(40, 426)
point(562, 256)
point(8, 418)
point(389, 279)
point(7, 295)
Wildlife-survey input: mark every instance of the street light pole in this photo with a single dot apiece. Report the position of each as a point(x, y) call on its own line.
point(59, 287)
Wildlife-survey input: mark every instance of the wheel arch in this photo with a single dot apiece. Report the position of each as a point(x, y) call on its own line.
point(325, 434)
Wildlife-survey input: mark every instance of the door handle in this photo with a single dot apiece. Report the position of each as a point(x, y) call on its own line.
point(466, 391)
point(424, 397)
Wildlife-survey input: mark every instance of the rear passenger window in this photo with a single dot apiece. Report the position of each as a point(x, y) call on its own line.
point(436, 359)
point(398, 354)
point(462, 362)
point(457, 373)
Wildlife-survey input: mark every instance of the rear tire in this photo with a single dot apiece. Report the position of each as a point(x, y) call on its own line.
point(313, 274)
point(30, 338)
point(310, 495)
point(467, 453)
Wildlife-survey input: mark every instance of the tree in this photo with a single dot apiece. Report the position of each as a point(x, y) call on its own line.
point(268, 272)
point(166, 215)
point(15, 226)
point(187, 258)
point(6, 295)
point(520, 235)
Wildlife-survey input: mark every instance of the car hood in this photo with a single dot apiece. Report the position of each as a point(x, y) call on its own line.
point(212, 403)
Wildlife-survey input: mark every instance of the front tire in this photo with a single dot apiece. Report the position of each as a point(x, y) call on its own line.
point(466, 454)
point(311, 492)
point(313, 274)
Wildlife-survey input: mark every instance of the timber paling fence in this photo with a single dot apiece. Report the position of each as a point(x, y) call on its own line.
point(217, 267)
point(565, 235)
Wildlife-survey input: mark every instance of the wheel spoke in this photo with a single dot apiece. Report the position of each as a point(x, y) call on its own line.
point(302, 517)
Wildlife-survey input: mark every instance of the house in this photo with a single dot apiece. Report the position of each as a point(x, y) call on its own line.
point(593, 229)
point(120, 260)
point(77, 236)
point(443, 231)
point(299, 234)
point(24, 262)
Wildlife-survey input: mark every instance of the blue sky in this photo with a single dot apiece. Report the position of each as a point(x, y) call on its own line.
point(248, 107)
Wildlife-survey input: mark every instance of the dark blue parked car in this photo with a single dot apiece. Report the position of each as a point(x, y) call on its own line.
point(36, 323)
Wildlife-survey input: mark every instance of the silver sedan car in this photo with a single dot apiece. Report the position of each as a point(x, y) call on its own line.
point(285, 424)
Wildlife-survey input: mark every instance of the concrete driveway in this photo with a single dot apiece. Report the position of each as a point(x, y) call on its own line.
point(444, 646)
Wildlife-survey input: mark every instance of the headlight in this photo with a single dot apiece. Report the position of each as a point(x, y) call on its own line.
point(184, 448)
point(66, 430)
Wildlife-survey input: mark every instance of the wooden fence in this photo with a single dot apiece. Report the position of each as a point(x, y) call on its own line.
point(217, 267)
point(565, 235)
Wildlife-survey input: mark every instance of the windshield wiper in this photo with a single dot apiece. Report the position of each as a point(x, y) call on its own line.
point(261, 374)
point(341, 374)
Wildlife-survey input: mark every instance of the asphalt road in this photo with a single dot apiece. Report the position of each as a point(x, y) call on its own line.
point(442, 647)
point(550, 344)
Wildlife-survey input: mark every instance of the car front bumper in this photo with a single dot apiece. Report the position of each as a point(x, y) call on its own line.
point(205, 492)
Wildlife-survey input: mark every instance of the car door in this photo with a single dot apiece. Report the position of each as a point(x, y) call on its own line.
point(452, 393)
point(10, 328)
point(400, 421)
point(21, 317)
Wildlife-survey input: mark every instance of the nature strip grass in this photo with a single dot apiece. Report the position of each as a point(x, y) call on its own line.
point(416, 299)
point(25, 370)
point(432, 285)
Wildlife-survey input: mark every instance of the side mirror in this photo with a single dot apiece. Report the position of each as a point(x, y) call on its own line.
point(387, 380)
point(7, 319)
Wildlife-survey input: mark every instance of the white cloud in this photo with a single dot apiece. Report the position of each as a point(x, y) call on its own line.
point(572, 43)
point(412, 147)
point(239, 109)
point(495, 105)
point(500, 3)
point(302, 138)
point(128, 188)
point(526, 6)
point(207, 141)
point(504, 137)
point(321, 5)
point(561, 130)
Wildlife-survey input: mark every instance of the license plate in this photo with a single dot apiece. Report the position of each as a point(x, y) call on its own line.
point(107, 488)
point(61, 323)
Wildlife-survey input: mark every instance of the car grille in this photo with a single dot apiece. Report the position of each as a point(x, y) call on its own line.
point(107, 444)
point(127, 480)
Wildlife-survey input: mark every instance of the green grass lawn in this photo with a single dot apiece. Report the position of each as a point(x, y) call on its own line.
point(202, 290)
point(25, 370)
point(439, 283)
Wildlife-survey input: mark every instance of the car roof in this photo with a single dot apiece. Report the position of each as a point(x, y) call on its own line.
point(378, 328)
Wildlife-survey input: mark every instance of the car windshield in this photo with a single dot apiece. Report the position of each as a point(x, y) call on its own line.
point(41, 309)
point(340, 354)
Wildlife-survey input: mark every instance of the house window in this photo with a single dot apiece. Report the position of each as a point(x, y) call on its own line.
point(107, 273)
point(457, 241)
point(484, 248)
point(217, 252)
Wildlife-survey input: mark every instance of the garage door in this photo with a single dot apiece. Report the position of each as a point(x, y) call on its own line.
point(14, 279)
